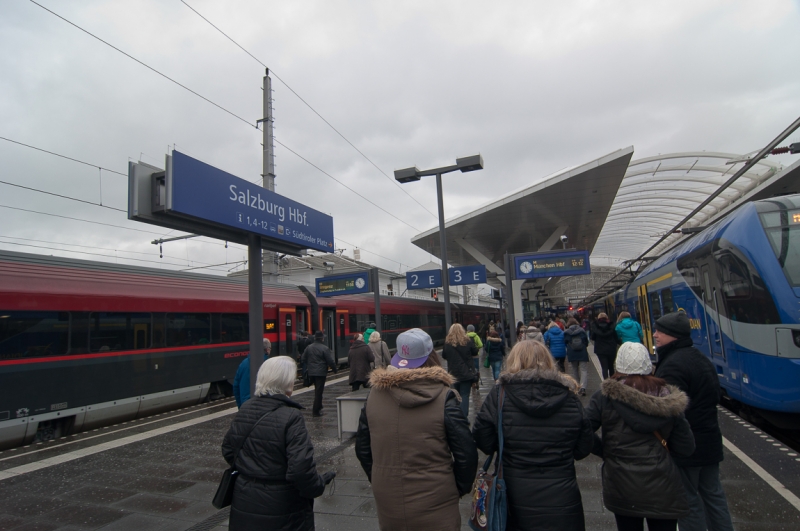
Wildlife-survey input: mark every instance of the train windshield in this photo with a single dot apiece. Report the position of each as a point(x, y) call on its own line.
point(783, 232)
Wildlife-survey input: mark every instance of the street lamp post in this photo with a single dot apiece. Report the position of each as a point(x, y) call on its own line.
point(407, 175)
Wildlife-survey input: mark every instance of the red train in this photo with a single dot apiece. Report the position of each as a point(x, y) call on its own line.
point(84, 344)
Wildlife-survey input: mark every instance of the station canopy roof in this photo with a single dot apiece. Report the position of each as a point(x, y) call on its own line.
point(658, 192)
point(573, 202)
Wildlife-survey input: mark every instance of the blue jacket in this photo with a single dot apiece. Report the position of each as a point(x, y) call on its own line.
point(241, 382)
point(580, 354)
point(554, 339)
point(629, 330)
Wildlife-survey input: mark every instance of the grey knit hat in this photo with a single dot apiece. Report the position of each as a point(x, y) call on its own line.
point(674, 324)
point(633, 358)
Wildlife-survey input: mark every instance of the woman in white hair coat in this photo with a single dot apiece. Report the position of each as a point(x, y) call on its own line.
point(643, 423)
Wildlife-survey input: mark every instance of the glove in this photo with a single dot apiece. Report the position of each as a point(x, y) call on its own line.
point(327, 477)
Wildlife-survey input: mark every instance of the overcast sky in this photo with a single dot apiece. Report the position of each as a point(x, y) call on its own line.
point(533, 86)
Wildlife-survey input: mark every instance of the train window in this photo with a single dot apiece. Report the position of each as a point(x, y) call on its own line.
point(78, 332)
point(159, 330)
point(744, 293)
point(707, 284)
point(666, 301)
point(111, 331)
point(188, 329)
point(784, 237)
point(655, 306)
point(234, 327)
point(33, 334)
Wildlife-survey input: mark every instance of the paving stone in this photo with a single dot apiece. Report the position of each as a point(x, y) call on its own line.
point(30, 506)
point(336, 504)
point(8, 521)
point(160, 485)
point(100, 495)
point(143, 522)
point(198, 491)
point(84, 515)
point(196, 512)
point(147, 503)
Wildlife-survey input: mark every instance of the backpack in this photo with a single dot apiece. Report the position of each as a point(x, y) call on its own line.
point(576, 343)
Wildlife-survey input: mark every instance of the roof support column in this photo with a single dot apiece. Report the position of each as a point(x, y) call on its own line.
point(554, 238)
point(481, 258)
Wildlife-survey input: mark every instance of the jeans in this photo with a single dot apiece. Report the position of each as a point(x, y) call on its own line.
point(319, 386)
point(633, 523)
point(582, 368)
point(463, 389)
point(496, 366)
point(707, 503)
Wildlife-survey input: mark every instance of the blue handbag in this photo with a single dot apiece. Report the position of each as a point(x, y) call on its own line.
point(489, 495)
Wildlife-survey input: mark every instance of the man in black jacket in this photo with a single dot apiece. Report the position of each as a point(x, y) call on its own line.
point(317, 357)
point(685, 367)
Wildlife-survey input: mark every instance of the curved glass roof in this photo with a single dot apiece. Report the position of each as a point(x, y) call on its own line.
point(658, 192)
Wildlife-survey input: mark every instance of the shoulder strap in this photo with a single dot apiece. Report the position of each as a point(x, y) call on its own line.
point(499, 464)
point(662, 440)
point(241, 445)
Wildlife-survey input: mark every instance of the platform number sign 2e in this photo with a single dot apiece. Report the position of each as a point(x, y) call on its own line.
point(424, 279)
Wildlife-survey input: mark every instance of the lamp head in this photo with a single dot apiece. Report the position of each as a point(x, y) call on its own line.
point(465, 164)
point(407, 175)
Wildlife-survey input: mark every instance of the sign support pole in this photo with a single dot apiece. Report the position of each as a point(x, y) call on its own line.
point(448, 318)
point(510, 317)
point(376, 290)
point(256, 308)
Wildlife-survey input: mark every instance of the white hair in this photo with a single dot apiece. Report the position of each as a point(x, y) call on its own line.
point(276, 376)
point(374, 337)
point(267, 344)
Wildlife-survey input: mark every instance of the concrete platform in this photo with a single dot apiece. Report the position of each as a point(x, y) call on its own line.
point(160, 474)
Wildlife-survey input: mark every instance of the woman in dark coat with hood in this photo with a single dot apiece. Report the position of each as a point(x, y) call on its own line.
point(605, 344)
point(359, 358)
point(545, 430)
point(643, 428)
point(270, 447)
point(458, 351)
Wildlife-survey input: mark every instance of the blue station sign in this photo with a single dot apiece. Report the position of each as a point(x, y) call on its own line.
point(467, 275)
point(458, 276)
point(431, 278)
point(201, 191)
point(343, 284)
point(552, 264)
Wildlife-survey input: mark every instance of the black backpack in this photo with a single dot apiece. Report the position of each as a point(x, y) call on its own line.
point(576, 343)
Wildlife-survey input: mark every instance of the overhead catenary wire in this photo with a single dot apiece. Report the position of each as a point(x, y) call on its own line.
point(62, 156)
point(310, 107)
point(212, 103)
point(63, 196)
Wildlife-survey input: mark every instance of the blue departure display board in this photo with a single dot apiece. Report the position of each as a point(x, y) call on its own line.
point(202, 191)
point(552, 264)
point(343, 284)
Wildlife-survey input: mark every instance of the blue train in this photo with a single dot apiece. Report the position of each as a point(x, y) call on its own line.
point(739, 283)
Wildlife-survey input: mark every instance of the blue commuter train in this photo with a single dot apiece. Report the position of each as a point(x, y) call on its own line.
point(739, 283)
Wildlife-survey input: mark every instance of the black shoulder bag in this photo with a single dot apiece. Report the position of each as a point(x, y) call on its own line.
point(224, 493)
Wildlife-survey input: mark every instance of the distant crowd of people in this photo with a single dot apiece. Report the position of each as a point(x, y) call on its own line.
point(655, 427)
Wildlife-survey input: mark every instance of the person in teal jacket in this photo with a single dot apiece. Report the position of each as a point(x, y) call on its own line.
point(628, 330)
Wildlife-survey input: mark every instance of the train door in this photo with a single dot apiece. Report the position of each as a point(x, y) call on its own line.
point(643, 316)
point(329, 327)
point(141, 336)
point(710, 302)
point(343, 328)
point(286, 317)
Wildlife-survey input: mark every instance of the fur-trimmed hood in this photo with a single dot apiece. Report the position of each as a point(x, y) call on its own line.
point(538, 393)
point(643, 412)
point(411, 387)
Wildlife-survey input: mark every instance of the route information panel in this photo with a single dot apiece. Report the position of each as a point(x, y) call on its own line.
point(343, 284)
point(552, 264)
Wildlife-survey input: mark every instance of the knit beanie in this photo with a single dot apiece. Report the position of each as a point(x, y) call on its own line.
point(633, 358)
point(674, 324)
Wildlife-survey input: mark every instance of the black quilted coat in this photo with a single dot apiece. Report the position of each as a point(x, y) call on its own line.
point(459, 361)
point(278, 479)
point(545, 430)
point(685, 367)
point(640, 477)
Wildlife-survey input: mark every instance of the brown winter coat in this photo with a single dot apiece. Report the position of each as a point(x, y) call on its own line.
point(359, 358)
point(381, 352)
point(415, 446)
